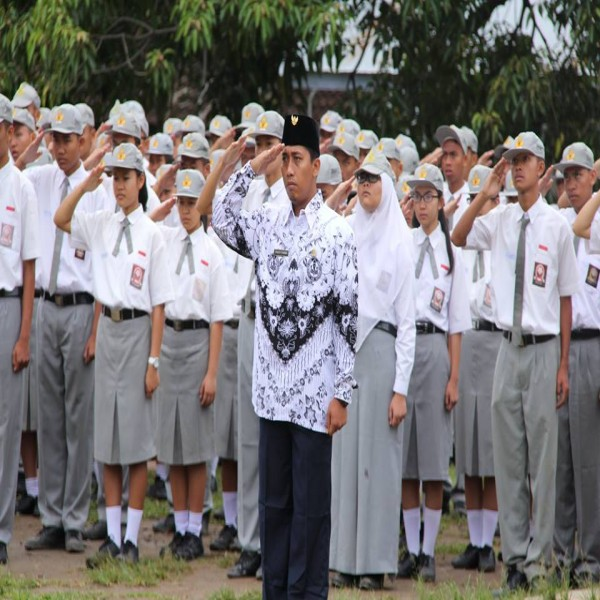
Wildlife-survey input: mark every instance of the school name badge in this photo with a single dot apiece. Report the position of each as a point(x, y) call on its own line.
point(137, 277)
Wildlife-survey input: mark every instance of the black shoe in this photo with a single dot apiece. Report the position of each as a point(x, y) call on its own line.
point(130, 553)
point(21, 487)
point(371, 583)
point(74, 541)
point(190, 548)
point(469, 559)
point(515, 579)
point(49, 538)
point(408, 566)
point(343, 580)
point(172, 545)
point(28, 505)
point(107, 551)
point(206, 520)
point(166, 525)
point(246, 566)
point(225, 539)
point(97, 531)
point(487, 560)
point(158, 490)
point(3, 554)
point(427, 568)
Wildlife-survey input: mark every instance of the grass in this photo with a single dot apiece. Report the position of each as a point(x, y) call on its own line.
point(227, 594)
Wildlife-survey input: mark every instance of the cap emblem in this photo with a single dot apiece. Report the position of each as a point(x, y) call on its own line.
point(475, 181)
point(423, 173)
point(187, 182)
point(294, 120)
point(519, 142)
point(122, 155)
point(570, 154)
point(263, 124)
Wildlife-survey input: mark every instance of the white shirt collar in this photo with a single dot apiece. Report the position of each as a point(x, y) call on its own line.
point(133, 216)
point(311, 210)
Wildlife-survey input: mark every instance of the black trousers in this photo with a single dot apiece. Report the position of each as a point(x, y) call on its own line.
point(295, 510)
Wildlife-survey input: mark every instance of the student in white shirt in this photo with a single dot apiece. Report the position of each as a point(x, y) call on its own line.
point(19, 248)
point(367, 453)
point(533, 278)
point(442, 308)
point(131, 280)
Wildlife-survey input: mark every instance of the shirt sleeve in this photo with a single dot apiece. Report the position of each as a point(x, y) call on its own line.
point(86, 228)
point(235, 226)
point(345, 314)
point(220, 298)
point(160, 284)
point(568, 271)
point(30, 240)
point(459, 310)
point(480, 236)
point(404, 309)
point(594, 244)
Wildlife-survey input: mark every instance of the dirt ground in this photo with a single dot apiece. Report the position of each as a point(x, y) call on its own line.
point(58, 572)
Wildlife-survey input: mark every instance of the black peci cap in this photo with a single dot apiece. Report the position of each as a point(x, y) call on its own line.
point(301, 130)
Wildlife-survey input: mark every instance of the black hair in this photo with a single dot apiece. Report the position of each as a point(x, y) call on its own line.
point(143, 194)
point(313, 154)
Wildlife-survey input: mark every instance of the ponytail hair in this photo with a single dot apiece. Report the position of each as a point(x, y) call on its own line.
point(444, 226)
point(143, 194)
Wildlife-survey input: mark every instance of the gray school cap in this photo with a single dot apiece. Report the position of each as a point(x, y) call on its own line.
point(269, 123)
point(427, 174)
point(189, 183)
point(125, 156)
point(126, 124)
point(388, 147)
point(376, 163)
point(528, 142)
point(43, 121)
point(509, 188)
point(348, 127)
point(219, 125)
point(451, 132)
point(402, 187)
point(477, 178)
point(346, 143)
point(66, 119)
point(193, 124)
point(161, 143)
point(26, 95)
point(23, 117)
point(329, 121)
point(247, 133)
point(87, 114)
point(471, 138)
point(194, 145)
point(410, 159)
point(329, 171)
point(172, 126)
point(403, 140)
point(6, 109)
point(366, 139)
point(250, 114)
point(576, 155)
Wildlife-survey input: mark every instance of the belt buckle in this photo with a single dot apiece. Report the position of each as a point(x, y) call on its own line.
point(116, 315)
point(178, 325)
point(59, 300)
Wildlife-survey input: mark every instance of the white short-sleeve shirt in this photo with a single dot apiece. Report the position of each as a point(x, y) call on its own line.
point(478, 276)
point(441, 300)
point(138, 280)
point(550, 264)
point(19, 226)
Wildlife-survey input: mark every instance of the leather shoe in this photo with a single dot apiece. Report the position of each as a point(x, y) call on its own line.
point(3, 553)
point(172, 545)
point(166, 525)
point(130, 553)
point(427, 568)
point(246, 566)
point(487, 560)
point(49, 538)
point(408, 566)
point(158, 490)
point(190, 548)
point(28, 505)
point(206, 520)
point(515, 579)
point(469, 559)
point(225, 539)
point(97, 531)
point(74, 541)
point(343, 580)
point(371, 583)
point(107, 551)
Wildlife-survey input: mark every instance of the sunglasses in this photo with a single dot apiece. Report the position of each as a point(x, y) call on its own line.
point(364, 177)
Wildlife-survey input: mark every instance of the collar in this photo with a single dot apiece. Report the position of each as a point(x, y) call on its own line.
point(195, 237)
point(76, 177)
point(461, 192)
point(311, 210)
point(133, 217)
point(436, 236)
point(533, 212)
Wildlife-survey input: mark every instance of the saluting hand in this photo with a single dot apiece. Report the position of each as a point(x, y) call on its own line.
point(397, 410)
point(167, 179)
point(32, 152)
point(407, 208)
point(433, 158)
point(225, 140)
point(495, 181)
point(340, 194)
point(208, 391)
point(20, 355)
point(160, 213)
point(94, 179)
point(337, 415)
point(486, 158)
point(260, 163)
point(95, 157)
point(546, 181)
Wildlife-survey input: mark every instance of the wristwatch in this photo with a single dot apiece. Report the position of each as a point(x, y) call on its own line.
point(153, 361)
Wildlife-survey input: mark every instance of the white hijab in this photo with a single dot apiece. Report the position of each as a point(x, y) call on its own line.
point(384, 249)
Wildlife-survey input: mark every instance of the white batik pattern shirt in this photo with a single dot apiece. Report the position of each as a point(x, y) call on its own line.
point(306, 309)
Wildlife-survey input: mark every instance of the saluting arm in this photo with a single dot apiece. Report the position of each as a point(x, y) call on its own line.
point(582, 226)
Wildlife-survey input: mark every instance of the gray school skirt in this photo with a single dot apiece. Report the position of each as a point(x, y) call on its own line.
point(226, 399)
point(366, 468)
point(123, 423)
point(427, 427)
point(31, 391)
point(473, 413)
point(186, 433)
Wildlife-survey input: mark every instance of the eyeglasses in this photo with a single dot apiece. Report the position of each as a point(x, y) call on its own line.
point(364, 177)
point(427, 197)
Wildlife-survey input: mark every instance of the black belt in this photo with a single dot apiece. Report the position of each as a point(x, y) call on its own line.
point(483, 325)
point(233, 323)
point(584, 334)
point(14, 293)
point(252, 312)
point(122, 314)
point(427, 327)
point(528, 339)
point(38, 293)
point(69, 299)
point(189, 324)
point(387, 327)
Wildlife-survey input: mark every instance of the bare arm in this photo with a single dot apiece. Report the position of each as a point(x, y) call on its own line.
point(20, 355)
point(208, 389)
point(158, 322)
point(451, 397)
point(562, 377)
point(582, 226)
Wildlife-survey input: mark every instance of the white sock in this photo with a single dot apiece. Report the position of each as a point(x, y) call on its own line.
point(113, 523)
point(431, 519)
point(181, 521)
point(195, 523)
point(214, 463)
point(412, 529)
point(31, 485)
point(230, 508)
point(134, 520)
point(490, 521)
point(169, 493)
point(162, 471)
point(475, 523)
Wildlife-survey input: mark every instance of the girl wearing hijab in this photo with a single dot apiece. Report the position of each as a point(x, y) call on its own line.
point(367, 453)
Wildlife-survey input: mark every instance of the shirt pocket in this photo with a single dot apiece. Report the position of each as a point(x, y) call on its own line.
point(138, 270)
point(438, 294)
point(542, 273)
